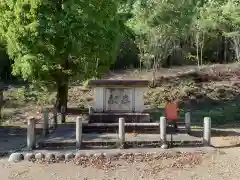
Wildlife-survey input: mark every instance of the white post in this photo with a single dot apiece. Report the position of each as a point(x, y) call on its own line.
point(163, 136)
point(188, 122)
point(78, 132)
point(207, 131)
point(121, 132)
point(45, 122)
point(90, 110)
point(31, 134)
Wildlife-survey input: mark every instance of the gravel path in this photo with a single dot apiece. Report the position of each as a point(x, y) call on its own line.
point(224, 164)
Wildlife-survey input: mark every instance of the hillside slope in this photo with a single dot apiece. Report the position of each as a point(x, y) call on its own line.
point(209, 91)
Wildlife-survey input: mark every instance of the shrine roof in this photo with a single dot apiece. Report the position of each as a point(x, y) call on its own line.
point(117, 83)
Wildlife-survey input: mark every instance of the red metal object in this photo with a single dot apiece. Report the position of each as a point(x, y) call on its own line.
point(171, 111)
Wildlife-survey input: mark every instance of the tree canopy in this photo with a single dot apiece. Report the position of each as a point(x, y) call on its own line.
point(186, 25)
point(51, 41)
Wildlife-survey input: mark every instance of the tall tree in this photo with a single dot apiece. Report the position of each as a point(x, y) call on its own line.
point(52, 41)
point(162, 28)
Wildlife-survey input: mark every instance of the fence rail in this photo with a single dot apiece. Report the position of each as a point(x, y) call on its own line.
point(51, 123)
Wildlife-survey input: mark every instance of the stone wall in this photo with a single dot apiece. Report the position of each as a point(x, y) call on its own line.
point(119, 99)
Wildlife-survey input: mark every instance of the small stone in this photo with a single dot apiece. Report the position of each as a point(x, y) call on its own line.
point(150, 153)
point(50, 157)
point(15, 157)
point(60, 157)
point(2, 154)
point(99, 155)
point(112, 156)
point(123, 156)
point(29, 157)
point(39, 156)
point(69, 156)
point(109, 155)
point(138, 154)
point(175, 153)
point(221, 152)
point(79, 155)
point(89, 154)
point(164, 146)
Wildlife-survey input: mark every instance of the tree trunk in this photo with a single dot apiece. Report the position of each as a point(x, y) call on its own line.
point(62, 92)
point(61, 100)
point(1, 102)
point(221, 50)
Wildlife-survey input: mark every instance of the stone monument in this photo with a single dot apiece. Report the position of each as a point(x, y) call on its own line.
point(119, 98)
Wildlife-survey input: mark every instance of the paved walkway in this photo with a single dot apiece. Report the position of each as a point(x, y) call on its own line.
point(69, 135)
point(12, 138)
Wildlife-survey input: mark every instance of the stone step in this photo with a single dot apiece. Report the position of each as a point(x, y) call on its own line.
point(114, 117)
point(110, 140)
point(141, 128)
point(114, 145)
point(130, 129)
point(150, 128)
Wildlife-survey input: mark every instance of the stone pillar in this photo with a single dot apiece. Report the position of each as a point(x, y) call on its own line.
point(207, 131)
point(138, 100)
point(45, 122)
point(31, 136)
point(90, 110)
point(188, 122)
point(99, 99)
point(121, 132)
point(78, 132)
point(163, 132)
point(55, 118)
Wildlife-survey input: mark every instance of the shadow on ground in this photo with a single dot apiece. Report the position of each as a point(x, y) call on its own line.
point(216, 133)
point(13, 138)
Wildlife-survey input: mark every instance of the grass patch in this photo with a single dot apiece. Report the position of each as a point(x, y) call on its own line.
point(28, 95)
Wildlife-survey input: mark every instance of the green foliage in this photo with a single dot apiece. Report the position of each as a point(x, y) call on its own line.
point(160, 27)
point(128, 55)
point(29, 95)
point(55, 40)
point(193, 28)
point(52, 40)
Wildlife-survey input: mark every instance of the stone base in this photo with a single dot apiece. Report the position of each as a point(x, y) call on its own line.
point(114, 117)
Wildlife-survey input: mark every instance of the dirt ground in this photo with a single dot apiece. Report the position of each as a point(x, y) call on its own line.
point(220, 165)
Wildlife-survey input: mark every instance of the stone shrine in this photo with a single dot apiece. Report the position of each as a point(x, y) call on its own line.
point(115, 98)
